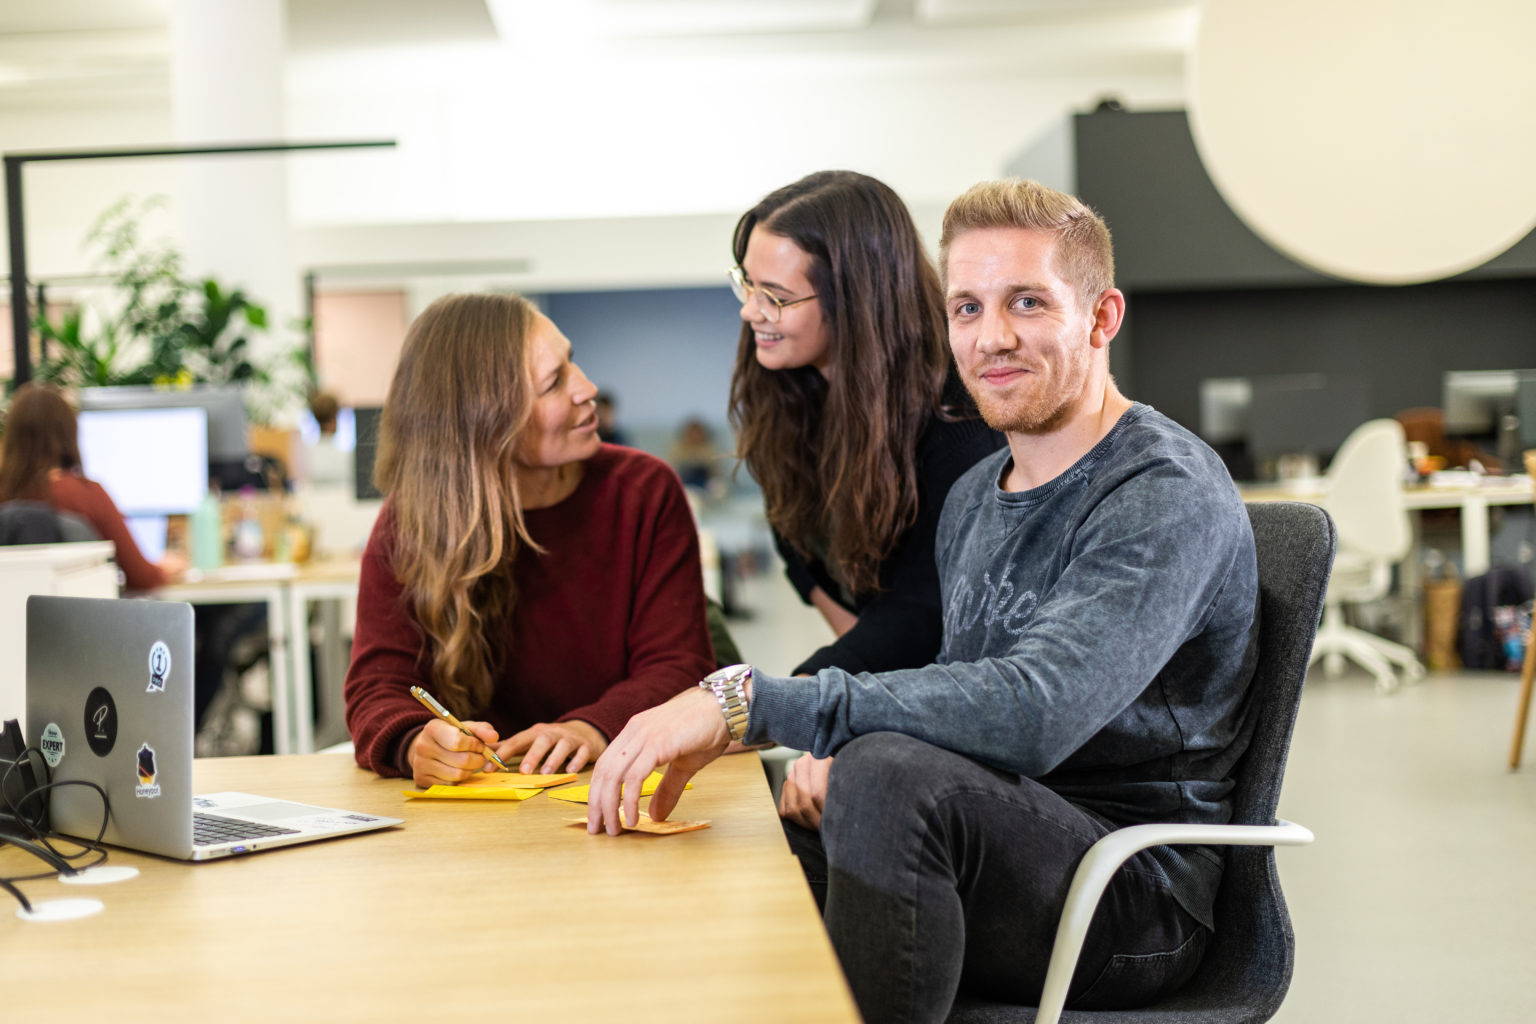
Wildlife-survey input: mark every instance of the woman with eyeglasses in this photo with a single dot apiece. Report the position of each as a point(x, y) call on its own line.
point(542, 585)
point(848, 415)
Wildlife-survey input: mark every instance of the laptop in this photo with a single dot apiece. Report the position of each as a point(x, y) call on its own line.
point(109, 701)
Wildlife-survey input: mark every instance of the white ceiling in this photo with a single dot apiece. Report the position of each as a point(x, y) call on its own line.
point(549, 114)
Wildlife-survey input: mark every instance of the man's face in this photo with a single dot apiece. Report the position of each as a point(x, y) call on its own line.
point(1021, 338)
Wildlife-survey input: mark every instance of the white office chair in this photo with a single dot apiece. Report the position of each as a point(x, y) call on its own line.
point(1365, 498)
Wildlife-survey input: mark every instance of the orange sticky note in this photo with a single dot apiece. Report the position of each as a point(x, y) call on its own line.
point(650, 826)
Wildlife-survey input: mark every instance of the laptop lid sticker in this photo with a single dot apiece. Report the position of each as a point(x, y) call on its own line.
point(52, 744)
point(100, 721)
point(159, 667)
point(146, 788)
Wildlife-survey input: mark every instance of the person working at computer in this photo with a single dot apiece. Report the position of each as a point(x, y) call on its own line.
point(41, 463)
point(544, 586)
point(325, 464)
point(847, 412)
point(1099, 586)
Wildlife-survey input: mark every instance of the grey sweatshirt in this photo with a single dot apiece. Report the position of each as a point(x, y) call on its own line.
point(1099, 635)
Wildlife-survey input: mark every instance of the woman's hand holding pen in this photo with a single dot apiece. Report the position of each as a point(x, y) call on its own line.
point(442, 755)
point(548, 746)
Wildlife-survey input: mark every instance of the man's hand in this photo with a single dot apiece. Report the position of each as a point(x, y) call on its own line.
point(685, 734)
point(442, 754)
point(548, 745)
point(805, 791)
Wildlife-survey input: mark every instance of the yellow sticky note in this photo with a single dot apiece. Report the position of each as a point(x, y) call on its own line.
point(495, 786)
point(579, 794)
point(471, 793)
point(518, 780)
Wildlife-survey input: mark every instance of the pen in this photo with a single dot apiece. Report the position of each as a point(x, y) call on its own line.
point(431, 704)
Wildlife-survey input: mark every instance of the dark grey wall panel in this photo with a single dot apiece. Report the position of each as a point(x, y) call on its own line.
point(1209, 298)
point(1141, 172)
point(1401, 339)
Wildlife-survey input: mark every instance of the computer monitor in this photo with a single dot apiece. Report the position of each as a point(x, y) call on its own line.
point(1224, 404)
point(223, 405)
point(366, 422)
point(1305, 414)
point(151, 461)
point(1525, 408)
point(1475, 399)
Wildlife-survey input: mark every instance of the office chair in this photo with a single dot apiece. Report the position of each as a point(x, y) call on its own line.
point(36, 522)
point(1247, 965)
point(1365, 498)
point(1528, 670)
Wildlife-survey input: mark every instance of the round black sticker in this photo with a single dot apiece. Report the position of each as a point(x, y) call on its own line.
point(100, 721)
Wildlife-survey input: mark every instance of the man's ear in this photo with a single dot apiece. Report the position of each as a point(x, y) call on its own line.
point(1108, 315)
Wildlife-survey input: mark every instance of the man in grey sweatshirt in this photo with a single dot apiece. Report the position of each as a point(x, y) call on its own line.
point(1099, 594)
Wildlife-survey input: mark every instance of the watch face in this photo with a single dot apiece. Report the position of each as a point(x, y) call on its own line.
point(728, 674)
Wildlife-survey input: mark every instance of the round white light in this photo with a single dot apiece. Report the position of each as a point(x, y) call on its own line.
point(1388, 141)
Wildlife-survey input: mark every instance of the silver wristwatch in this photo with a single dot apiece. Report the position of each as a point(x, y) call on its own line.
point(729, 685)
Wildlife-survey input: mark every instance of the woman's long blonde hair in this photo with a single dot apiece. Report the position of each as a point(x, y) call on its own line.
point(456, 408)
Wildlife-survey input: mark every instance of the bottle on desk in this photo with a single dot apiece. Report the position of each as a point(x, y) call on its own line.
point(250, 545)
point(208, 532)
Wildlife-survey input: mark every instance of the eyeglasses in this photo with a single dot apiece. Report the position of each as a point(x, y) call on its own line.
point(772, 306)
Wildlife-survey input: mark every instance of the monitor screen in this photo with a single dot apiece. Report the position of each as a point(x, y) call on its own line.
point(367, 433)
point(224, 407)
point(151, 461)
point(1305, 414)
point(1475, 399)
point(1525, 408)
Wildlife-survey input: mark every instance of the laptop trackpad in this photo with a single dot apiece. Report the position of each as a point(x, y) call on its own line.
point(277, 810)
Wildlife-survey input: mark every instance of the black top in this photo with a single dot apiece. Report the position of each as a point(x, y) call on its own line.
point(901, 625)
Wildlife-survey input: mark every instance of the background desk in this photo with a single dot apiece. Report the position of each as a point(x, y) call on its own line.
point(1474, 501)
point(287, 590)
point(471, 911)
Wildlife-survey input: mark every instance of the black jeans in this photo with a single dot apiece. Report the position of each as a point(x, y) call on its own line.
point(938, 875)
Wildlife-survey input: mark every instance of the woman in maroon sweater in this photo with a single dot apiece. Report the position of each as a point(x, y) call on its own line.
point(542, 585)
point(41, 463)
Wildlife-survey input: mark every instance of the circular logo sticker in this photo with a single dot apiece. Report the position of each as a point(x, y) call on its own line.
point(159, 666)
point(52, 744)
point(100, 721)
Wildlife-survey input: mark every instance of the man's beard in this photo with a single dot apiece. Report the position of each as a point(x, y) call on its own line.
point(1046, 404)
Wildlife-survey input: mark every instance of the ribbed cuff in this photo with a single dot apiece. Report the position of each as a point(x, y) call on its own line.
point(783, 711)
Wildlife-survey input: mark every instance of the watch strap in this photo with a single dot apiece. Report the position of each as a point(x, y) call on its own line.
point(729, 685)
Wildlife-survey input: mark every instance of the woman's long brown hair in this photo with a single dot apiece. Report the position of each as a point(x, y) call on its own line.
point(456, 407)
point(40, 435)
point(836, 456)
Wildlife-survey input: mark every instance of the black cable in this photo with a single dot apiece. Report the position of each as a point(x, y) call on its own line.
point(8, 887)
point(37, 841)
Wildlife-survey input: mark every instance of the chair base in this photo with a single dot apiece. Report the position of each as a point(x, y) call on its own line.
point(1336, 640)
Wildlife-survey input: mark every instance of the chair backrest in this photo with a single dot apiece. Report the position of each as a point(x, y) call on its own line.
point(1365, 492)
point(36, 522)
point(1247, 967)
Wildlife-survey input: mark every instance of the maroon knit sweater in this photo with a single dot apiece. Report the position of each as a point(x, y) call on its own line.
point(608, 621)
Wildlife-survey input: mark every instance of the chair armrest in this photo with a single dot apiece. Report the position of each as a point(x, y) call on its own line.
point(1099, 865)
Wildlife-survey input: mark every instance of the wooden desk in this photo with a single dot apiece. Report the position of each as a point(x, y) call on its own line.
point(471, 911)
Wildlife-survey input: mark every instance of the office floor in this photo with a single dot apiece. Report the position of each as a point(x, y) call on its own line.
point(1418, 900)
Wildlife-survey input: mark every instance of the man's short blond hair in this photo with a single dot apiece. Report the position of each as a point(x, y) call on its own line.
point(1085, 257)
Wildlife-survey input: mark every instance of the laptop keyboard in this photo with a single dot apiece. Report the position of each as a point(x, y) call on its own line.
point(212, 829)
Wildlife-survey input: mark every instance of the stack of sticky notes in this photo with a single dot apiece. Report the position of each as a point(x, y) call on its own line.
point(494, 786)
